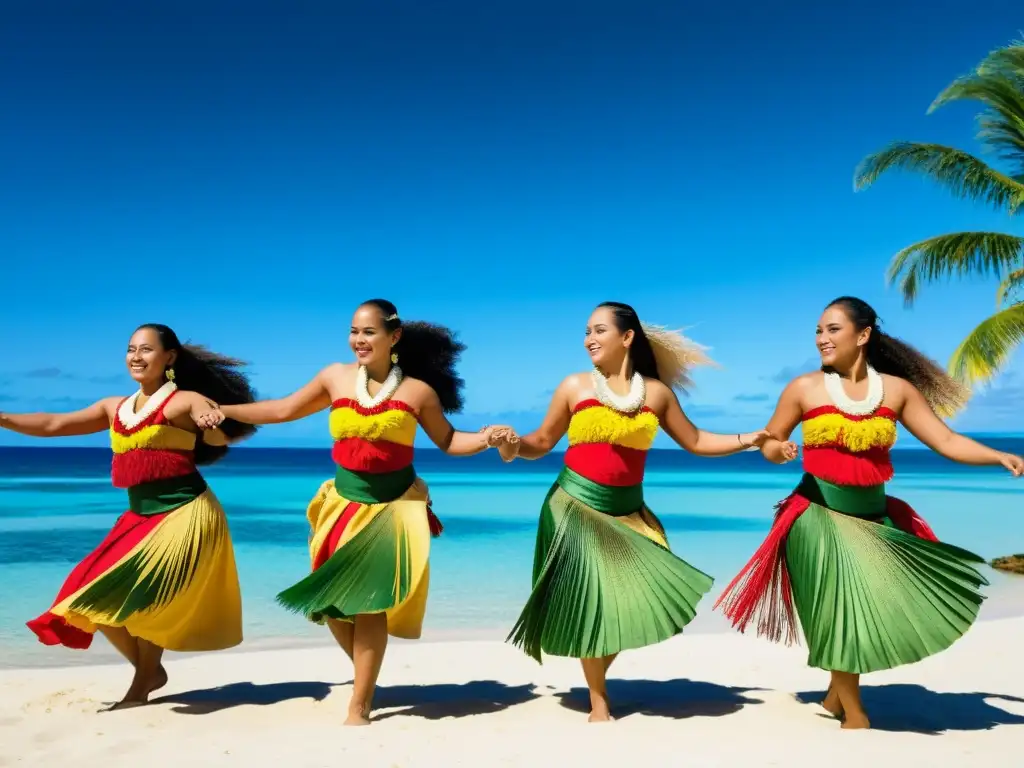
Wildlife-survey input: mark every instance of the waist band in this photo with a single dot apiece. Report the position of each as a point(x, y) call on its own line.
point(868, 501)
point(614, 500)
point(161, 496)
point(373, 488)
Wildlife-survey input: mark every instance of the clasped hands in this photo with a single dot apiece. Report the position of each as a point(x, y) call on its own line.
point(504, 438)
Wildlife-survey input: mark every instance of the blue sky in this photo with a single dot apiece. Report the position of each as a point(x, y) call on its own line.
point(249, 173)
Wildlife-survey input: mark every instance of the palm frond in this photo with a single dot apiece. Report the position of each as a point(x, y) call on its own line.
point(1009, 59)
point(963, 174)
point(960, 254)
point(1010, 287)
point(987, 348)
point(1001, 125)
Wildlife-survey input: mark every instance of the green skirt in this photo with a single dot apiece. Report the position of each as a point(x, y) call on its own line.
point(604, 580)
point(869, 595)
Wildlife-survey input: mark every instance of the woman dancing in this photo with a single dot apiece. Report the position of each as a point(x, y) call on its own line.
point(371, 524)
point(164, 577)
point(604, 580)
point(872, 586)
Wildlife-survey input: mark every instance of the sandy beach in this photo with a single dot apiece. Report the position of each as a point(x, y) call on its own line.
point(702, 699)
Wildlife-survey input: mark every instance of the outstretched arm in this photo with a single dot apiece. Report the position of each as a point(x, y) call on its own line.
point(304, 402)
point(541, 441)
point(95, 418)
point(444, 435)
point(701, 443)
point(921, 421)
point(788, 411)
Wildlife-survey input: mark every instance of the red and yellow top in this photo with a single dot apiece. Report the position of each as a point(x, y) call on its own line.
point(607, 446)
point(849, 450)
point(152, 449)
point(373, 440)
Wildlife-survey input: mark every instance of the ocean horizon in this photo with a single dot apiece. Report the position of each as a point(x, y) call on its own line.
point(56, 504)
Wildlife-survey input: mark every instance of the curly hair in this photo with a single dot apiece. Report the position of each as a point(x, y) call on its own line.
point(215, 376)
point(888, 354)
point(426, 352)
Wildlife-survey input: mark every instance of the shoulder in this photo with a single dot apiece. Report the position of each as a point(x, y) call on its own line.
point(574, 388)
point(897, 390)
point(417, 393)
point(335, 370)
point(109, 405)
point(576, 381)
point(657, 387)
point(895, 383)
point(805, 382)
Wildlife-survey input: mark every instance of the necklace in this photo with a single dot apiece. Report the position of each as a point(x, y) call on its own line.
point(849, 406)
point(387, 389)
point(127, 414)
point(628, 403)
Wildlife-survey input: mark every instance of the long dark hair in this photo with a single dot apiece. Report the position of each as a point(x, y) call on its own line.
point(215, 376)
point(641, 352)
point(887, 354)
point(426, 352)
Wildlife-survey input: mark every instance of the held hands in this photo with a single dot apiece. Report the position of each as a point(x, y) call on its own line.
point(1013, 463)
point(790, 451)
point(210, 419)
point(505, 439)
point(754, 439)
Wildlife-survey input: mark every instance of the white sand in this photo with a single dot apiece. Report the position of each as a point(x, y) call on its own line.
point(698, 700)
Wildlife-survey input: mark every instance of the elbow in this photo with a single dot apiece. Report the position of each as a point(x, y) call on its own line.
point(51, 428)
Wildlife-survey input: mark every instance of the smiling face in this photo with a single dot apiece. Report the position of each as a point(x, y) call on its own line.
point(370, 341)
point(146, 358)
point(604, 342)
point(838, 338)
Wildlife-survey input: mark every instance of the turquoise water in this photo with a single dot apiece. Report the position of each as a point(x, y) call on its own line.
point(56, 504)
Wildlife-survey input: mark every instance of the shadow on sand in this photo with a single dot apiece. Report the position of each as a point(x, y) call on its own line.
point(434, 702)
point(204, 701)
point(676, 699)
point(916, 709)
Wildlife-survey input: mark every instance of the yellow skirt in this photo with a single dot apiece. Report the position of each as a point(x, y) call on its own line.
point(366, 558)
point(169, 579)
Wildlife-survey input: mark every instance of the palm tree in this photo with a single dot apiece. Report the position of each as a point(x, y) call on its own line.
point(998, 84)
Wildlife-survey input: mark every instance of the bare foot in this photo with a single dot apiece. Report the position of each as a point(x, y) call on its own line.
point(138, 692)
point(856, 722)
point(358, 716)
point(159, 679)
point(600, 712)
point(832, 705)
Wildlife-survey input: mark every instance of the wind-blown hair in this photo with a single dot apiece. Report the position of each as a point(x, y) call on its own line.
point(888, 354)
point(657, 352)
point(426, 352)
point(212, 375)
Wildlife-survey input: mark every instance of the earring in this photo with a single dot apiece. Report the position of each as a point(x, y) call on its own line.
point(169, 373)
point(394, 358)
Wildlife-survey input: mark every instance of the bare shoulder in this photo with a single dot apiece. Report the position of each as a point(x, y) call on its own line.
point(659, 393)
point(417, 393)
point(338, 371)
point(806, 382)
point(807, 387)
point(577, 382)
point(110, 405)
point(896, 390)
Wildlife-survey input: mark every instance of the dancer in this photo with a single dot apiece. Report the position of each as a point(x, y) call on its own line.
point(604, 580)
point(872, 586)
point(371, 524)
point(164, 577)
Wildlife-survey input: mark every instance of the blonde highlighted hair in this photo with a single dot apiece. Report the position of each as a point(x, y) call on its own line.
point(657, 352)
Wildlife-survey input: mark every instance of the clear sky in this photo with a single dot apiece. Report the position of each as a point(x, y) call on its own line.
point(249, 172)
